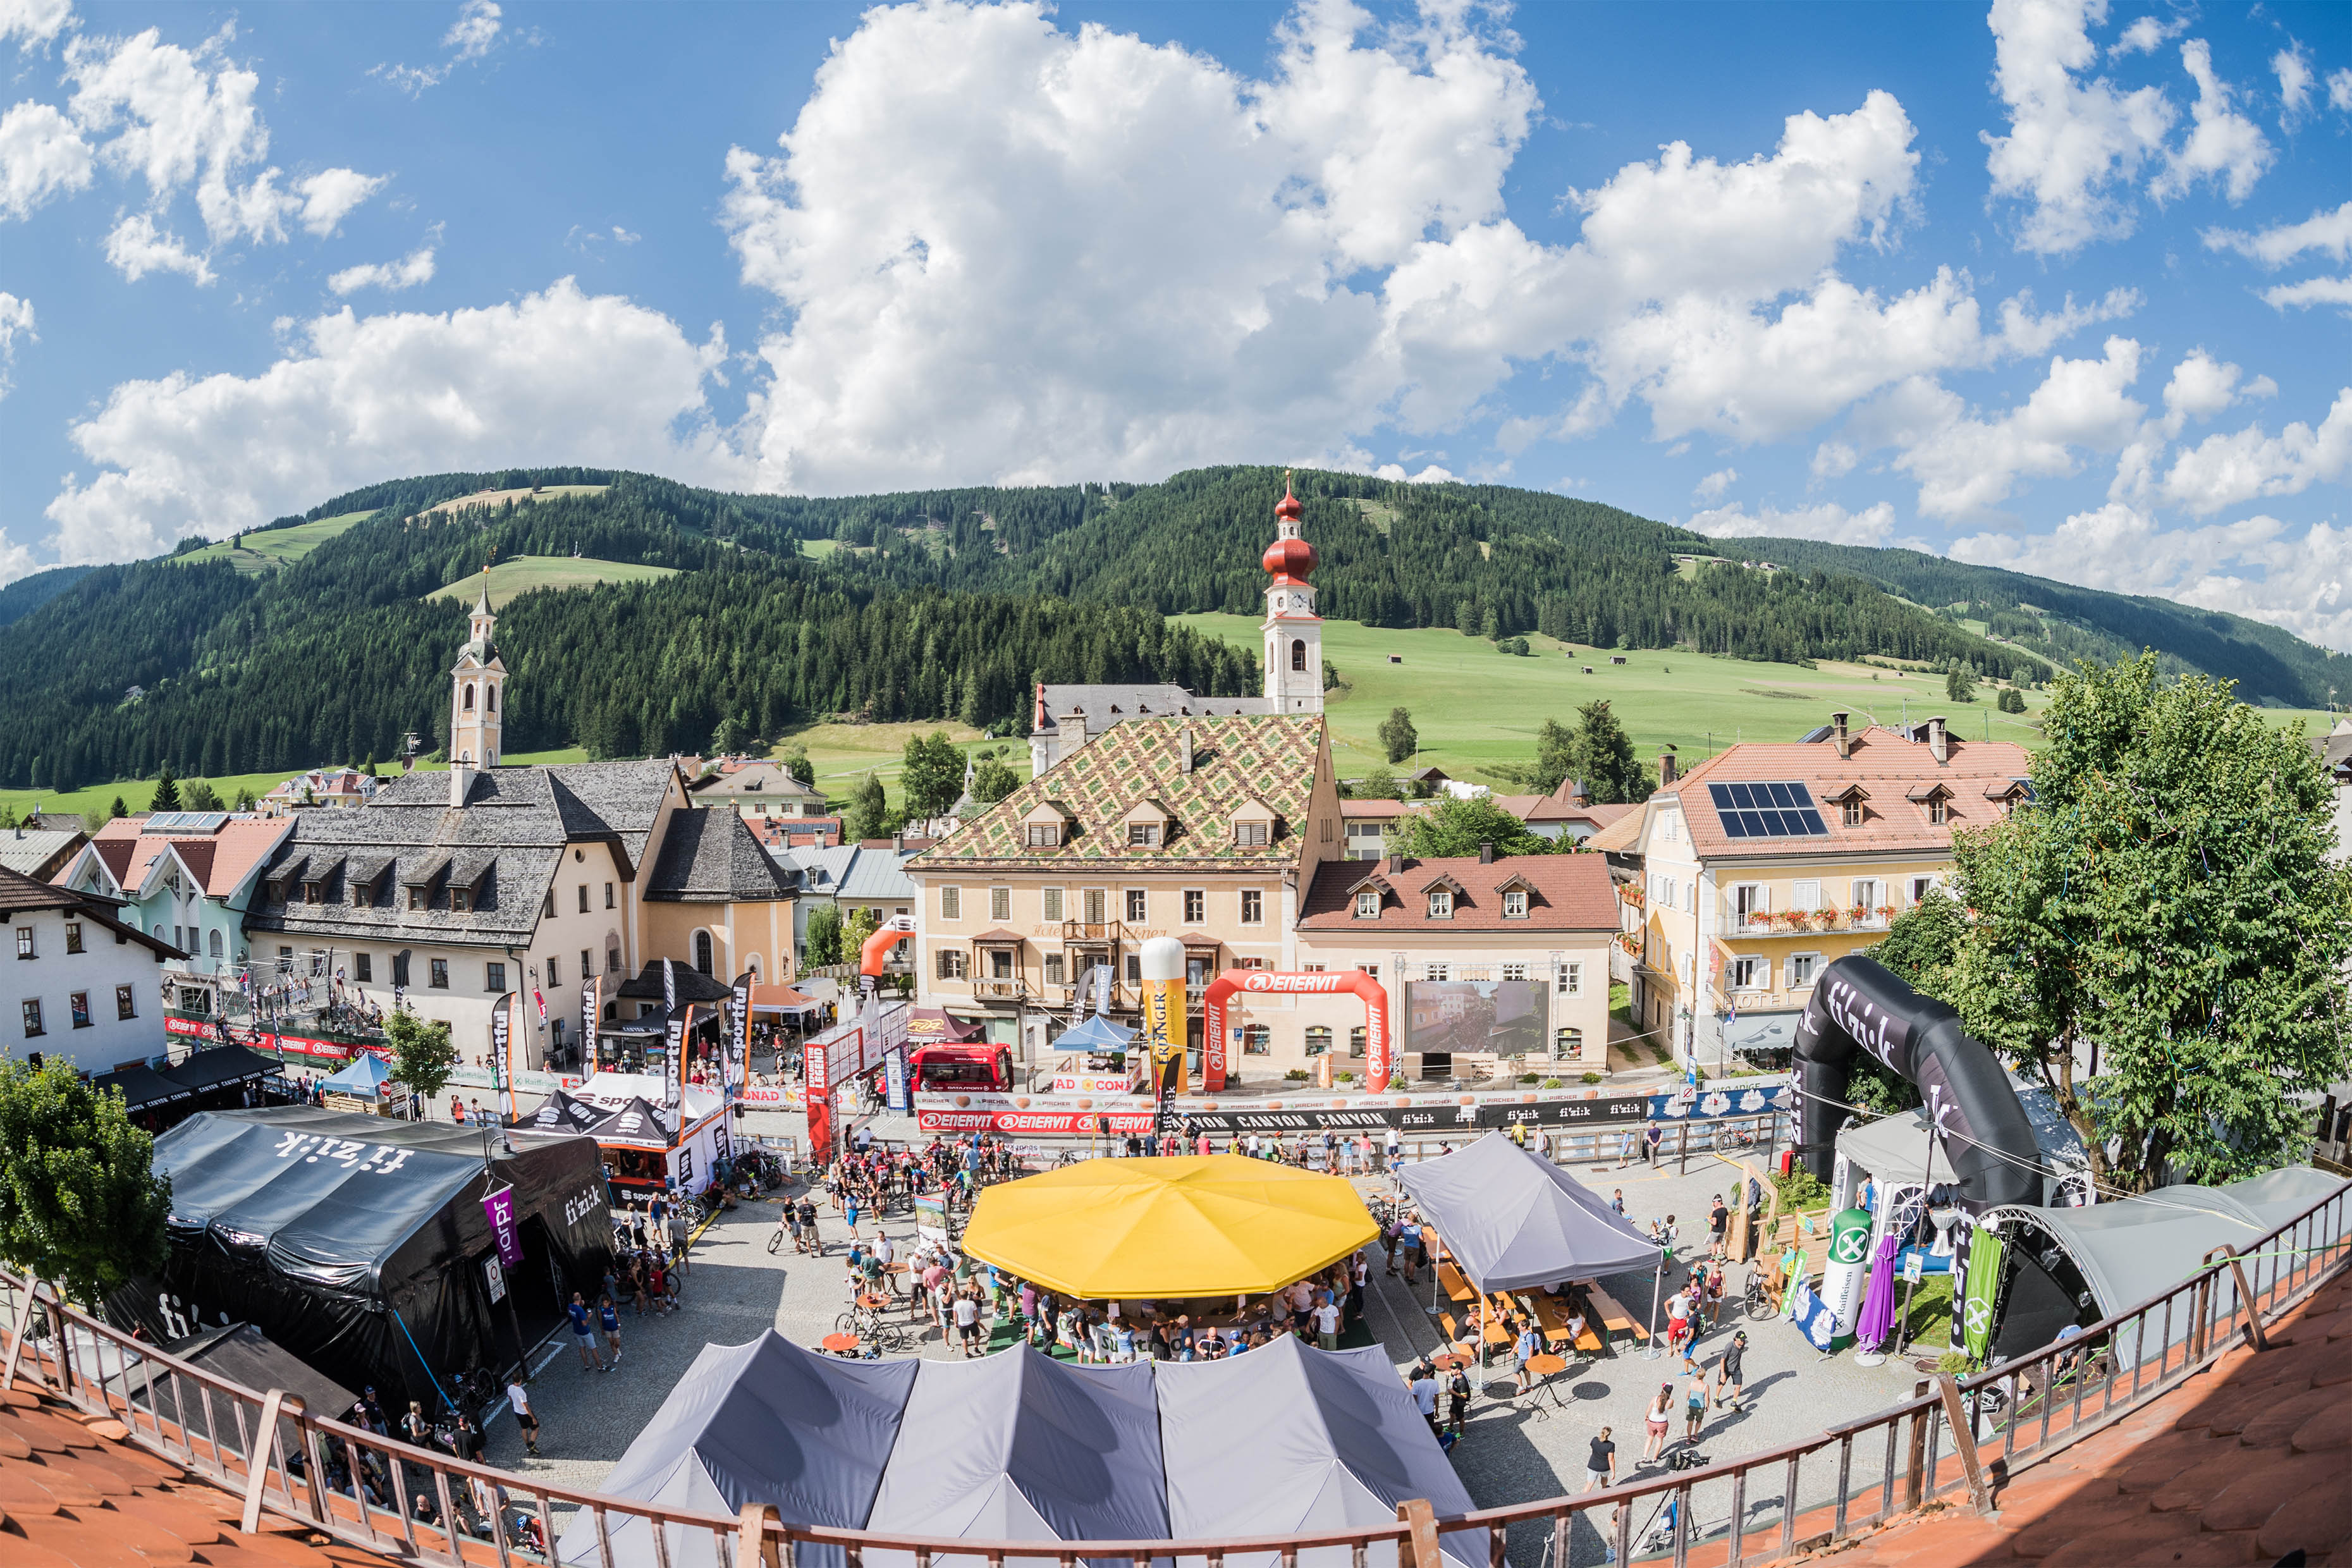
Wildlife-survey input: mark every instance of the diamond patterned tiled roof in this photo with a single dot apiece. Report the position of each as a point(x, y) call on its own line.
point(1270, 759)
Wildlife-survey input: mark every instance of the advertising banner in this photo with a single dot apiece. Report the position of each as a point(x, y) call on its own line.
point(820, 1102)
point(673, 1025)
point(894, 1079)
point(738, 1070)
point(499, 1208)
point(501, 1070)
point(1111, 1083)
point(591, 992)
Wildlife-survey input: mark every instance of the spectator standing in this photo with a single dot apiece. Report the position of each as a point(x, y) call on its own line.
point(1326, 1325)
point(611, 1322)
point(1658, 1421)
point(1731, 1377)
point(584, 1338)
point(519, 1401)
point(1423, 1388)
point(1600, 1464)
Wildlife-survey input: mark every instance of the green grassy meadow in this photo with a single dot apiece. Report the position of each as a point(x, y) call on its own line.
point(522, 574)
point(1475, 706)
point(278, 547)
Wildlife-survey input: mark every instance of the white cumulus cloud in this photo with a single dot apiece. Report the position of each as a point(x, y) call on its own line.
point(2223, 145)
point(2330, 233)
point(2146, 36)
point(2310, 291)
point(559, 376)
point(410, 270)
point(15, 321)
point(473, 35)
point(33, 23)
point(331, 196)
point(135, 247)
point(42, 154)
point(2225, 470)
point(2292, 66)
point(2074, 147)
point(1872, 525)
point(1712, 487)
point(2339, 90)
point(2258, 567)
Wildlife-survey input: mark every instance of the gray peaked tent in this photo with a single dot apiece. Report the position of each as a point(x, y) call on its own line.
point(2133, 1249)
point(763, 1422)
point(1287, 1439)
point(1019, 1447)
point(1512, 1218)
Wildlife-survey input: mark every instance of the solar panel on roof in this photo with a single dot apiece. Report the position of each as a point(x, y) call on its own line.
point(184, 822)
point(1767, 811)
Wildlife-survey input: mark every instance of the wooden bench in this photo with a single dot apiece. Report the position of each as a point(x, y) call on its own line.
point(1614, 1318)
point(1454, 1285)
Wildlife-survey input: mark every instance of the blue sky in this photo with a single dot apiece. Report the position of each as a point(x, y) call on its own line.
point(2046, 284)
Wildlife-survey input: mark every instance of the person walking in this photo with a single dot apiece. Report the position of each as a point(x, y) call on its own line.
point(1601, 1464)
point(1694, 1405)
point(1657, 1420)
point(1457, 1400)
point(1395, 1143)
point(809, 1240)
point(1617, 1202)
point(583, 1339)
point(1409, 1243)
point(1359, 1276)
point(519, 1401)
point(1529, 1346)
point(611, 1322)
point(680, 1239)
point(1730, 1375)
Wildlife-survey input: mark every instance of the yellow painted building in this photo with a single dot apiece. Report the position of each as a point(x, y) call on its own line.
point(1768, 862)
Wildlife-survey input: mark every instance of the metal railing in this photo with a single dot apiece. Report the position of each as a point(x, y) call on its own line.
point(1950, 1439)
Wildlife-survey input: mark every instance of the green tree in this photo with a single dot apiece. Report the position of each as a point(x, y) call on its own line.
point(1518, 646)
point(993, 780)
point(2011, 700)
point(1456, 826)
point(863, 922)
point(1399, 739)
point(1555, 756)
point(1603, 758)
point(728, 738)
point(2168, 900)
point(870, 816)
point(167, 791)
point(933, 774)
point(1378, 784)
point(824, 935)
point(118, 809)
point(200, 795)
point(1959, 683)
point(421, 1055)
point(1330, 676)
point(796, 763)
point(80, 1202)
point(244, 799)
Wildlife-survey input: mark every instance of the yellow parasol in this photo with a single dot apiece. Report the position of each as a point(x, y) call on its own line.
point(1207, 1224)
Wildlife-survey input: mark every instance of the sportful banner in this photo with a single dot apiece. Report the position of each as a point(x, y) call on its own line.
point(592, 989)
point(674, 1026)
point(501, 1071)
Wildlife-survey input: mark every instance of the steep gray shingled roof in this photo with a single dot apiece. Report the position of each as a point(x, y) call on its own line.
point(709, 857)
point(1107, 705)
point(511, 836)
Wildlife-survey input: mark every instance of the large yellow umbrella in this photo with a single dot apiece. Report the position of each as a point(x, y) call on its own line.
point(1206, 1225)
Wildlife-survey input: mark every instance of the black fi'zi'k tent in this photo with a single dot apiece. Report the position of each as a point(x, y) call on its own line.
point(360, 1246)
point(1017, 1446)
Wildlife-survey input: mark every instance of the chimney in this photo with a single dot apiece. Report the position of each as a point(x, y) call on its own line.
point(1184, 750)
point(1485, 851)
point(1666, 769)
point(461, 780)
point(1838, 733)
point(898, 843)
point(1396, 865)
point(1939, 740)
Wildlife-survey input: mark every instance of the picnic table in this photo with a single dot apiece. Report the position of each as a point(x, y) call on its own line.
point(1614, 1318)
point(1456, 1284)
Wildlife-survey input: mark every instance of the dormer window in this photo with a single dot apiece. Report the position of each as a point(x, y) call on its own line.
point(1850, 813)
point(1515, 904)
point(1938, 813)
point(1252, 834)
point(310, 892)
point(1367, 905)
point(1043, 836)
point(359, 897)
point(460, 901)
point(1441, 903)
point(1143, 835)
point(416, 898)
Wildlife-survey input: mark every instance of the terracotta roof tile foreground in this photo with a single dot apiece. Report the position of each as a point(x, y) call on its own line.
point(74, 1495)
point(2247, 1463)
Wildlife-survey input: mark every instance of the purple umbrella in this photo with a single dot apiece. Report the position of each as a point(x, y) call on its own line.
point(1877, 1323)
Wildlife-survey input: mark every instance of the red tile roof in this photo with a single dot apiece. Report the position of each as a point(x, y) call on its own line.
point(218, 860)
point(1886, 767)
point(1565, 893)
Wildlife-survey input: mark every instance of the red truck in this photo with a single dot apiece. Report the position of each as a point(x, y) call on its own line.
point(961, 1069)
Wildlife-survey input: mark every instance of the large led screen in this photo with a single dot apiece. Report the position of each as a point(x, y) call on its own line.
point(1504, 1017)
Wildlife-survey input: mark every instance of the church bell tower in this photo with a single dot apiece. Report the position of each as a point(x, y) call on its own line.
point(1293, 632)
point(476, 691)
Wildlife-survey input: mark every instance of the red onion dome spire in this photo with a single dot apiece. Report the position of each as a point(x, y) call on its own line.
point(1289, 558)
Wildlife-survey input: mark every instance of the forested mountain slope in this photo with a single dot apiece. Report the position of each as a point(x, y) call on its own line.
point(939, 605)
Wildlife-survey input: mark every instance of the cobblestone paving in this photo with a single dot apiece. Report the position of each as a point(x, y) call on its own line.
point(1509, 1452)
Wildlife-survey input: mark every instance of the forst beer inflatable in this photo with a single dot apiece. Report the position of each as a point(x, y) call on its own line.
point(1162, 962)
point(1848, 1270)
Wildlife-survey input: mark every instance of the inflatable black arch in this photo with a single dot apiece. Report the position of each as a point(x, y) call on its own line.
point(1858, 1003)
